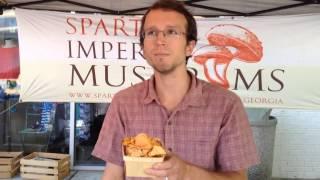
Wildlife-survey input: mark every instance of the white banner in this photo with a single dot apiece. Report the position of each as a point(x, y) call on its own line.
point(268, 61)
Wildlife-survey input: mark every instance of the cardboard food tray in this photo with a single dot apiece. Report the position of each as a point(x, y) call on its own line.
point(39, 165)
point(135, 166)
point(9, 163)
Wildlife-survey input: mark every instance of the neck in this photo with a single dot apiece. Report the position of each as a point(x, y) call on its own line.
point(172, 88)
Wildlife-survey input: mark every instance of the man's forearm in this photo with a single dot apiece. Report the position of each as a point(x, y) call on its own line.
point(113, 172)
point(194, 172)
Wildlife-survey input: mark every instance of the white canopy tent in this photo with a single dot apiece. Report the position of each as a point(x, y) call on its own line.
point(208, 8)
point(198, 7)
point(270, 9)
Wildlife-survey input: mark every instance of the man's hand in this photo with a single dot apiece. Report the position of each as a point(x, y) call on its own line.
point(176, 169)
point(173, 167)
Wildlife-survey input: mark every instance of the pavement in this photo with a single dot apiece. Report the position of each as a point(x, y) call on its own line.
point(85, 175)
point(75, 175)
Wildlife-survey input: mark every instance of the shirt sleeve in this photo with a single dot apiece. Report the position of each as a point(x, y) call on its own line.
point(109, 146)
point(236, 149)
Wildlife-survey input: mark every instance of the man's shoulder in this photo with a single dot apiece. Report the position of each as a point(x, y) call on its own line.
point(215, 91)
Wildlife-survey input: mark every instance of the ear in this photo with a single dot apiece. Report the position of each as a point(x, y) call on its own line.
point(189, 47)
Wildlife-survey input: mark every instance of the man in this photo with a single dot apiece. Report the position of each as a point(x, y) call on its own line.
point(204, 126)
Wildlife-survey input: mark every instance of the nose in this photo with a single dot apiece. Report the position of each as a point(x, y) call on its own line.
point(161, 37)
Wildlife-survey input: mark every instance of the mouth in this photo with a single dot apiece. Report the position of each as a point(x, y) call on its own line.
point(161, 55)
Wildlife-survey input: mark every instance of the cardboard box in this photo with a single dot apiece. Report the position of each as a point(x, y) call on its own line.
point(135, 166)
point(39, 165)
point(9, 164)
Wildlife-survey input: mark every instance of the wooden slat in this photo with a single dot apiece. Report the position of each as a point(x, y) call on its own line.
point(40, 165)
point(9, 157)
point(43, 163)
point(9, 174)
point(64, 160)
point(9, 154)
point(37, 170)
point(66, 165)
point(4, 168)
point(18, 157)
point(9, 163)
point(14, 171)
point(5, 175)
point(38, 176)
point(16, 163)
point(64, 173)
point(53, 155)
point(30, 156)
point(5, 160)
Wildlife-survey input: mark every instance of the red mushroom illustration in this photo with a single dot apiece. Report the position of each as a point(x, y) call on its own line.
point(228, 42)
point(215, 61)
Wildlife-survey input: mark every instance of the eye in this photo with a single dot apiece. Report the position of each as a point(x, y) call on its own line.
point(172, 32)
point(150, 33)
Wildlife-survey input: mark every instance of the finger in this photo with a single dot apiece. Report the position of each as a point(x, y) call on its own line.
point(156, 172)
point(159, 178)
point(167, 164)
point(168, 152)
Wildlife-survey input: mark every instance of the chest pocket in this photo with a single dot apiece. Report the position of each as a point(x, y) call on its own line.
point(197, 135)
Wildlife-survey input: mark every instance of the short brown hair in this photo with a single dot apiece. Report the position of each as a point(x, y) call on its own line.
point(177, 7)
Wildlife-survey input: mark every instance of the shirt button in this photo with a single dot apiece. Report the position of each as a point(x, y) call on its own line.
point(169, 123)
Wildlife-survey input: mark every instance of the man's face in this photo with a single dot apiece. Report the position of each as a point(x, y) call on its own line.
point(165, 45)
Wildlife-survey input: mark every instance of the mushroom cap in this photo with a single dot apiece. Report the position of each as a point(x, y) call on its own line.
point(220, 54)
point(247, 45)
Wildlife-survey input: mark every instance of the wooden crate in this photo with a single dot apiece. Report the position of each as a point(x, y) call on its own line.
point(45, 166)
point(9, 163)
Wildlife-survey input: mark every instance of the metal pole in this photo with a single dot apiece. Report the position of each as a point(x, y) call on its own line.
point(9, 127)
point(72, 133)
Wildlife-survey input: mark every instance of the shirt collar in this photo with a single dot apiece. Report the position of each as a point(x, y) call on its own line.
point(194, 97)
point(150, 91)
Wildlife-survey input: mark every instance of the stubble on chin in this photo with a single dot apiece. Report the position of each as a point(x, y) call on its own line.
point(164, 68)
point(163, 71)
